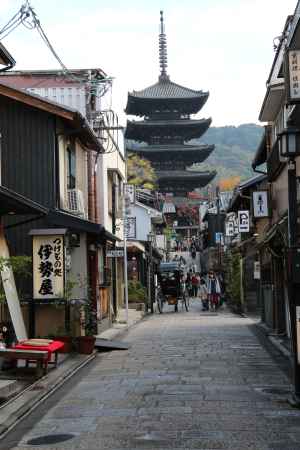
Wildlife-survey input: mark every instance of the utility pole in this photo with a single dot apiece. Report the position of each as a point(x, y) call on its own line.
point(125, 210)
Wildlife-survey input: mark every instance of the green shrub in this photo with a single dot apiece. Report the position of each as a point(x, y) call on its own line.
point(136, 292)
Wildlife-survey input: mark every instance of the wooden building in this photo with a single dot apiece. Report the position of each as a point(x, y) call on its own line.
point(45, 149)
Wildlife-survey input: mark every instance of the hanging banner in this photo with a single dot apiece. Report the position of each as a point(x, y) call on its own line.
point(48, 266)
point(244, 221)
point(256, 273)
point(130, 227)
point(229, 228)
point(219, 238)
point(260, 204)
point(129, 193)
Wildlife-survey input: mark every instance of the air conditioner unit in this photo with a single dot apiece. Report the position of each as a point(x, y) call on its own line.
point(76, 202)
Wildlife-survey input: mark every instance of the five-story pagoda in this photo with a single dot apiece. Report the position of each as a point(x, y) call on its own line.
point(166, 129)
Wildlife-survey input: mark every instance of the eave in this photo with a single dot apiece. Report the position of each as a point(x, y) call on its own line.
point(139, 106)
point(142, 130)
point(273, 100)
point(6, 59)
point(188, 153)
point(12, 203)
point(261, 153)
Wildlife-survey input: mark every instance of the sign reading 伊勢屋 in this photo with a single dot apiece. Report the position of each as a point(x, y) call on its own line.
point(48, 266)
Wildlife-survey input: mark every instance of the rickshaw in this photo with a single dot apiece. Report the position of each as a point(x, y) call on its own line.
point(171, 288)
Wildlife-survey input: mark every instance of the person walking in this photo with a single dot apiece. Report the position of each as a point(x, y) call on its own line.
point(195, 285)
point(213, 290)
point(203, 295)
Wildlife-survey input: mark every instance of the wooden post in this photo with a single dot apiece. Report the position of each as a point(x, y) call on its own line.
point(11, 293)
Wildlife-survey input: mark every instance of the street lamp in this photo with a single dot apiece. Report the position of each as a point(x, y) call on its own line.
point(289, 142)
point(289, 147)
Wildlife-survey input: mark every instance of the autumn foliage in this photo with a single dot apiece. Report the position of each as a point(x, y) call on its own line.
point(140, 172)
point(228, 184)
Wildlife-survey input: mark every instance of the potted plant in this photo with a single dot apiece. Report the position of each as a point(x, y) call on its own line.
point(88, 322)
point(137, 294)
point(66, 337)
point(65, 333)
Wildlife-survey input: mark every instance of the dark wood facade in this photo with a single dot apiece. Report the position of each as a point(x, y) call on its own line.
point(28, 151)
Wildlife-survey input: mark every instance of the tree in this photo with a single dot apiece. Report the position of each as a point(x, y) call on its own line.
point(140, 172)
point(228, 184)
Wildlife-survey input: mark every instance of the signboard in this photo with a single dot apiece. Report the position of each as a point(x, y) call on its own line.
point(256, 273)
point(243, 221)
point(260, 204)
point(130, 227)
point(115, 253)
point(48, 266)
point(129, 193)
point(293, 78)
point(219, 238)
point(229, 228)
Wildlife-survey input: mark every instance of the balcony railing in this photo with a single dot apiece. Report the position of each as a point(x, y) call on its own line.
point(275, 163)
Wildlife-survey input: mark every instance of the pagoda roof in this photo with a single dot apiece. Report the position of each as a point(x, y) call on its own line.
point(166, 89)
point(184, 175)
point(182, 181)
point(143, 130)
point(168, 93)
point(195, 153)
point(138, 106)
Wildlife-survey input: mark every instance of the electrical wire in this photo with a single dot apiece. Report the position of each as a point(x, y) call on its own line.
point(97, 87)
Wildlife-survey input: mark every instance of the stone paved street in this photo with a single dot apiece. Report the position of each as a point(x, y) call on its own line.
point(190, 381)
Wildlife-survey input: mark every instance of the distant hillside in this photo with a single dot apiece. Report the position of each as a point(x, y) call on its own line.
point(235, 148)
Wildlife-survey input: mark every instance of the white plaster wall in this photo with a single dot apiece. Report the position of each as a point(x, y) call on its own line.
point(105, 162)
point(81, 172)
point(143, 222)
point(78, 269)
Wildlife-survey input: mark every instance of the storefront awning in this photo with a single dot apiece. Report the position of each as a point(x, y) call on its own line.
point(135, 246)
point(64, 219)
point(12, 203)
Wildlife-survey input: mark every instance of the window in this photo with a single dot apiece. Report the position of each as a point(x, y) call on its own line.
point(71, 167)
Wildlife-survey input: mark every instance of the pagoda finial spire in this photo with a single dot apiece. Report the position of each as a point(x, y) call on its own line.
point(163, 58)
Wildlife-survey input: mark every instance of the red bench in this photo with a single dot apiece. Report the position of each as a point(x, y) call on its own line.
point(51, 349)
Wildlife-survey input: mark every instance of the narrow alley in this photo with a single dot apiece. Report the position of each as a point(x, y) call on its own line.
point(193, 380)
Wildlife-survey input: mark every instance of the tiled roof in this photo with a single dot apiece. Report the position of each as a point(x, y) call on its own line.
point(184, 174)
point(167, 89)
point(172, 148)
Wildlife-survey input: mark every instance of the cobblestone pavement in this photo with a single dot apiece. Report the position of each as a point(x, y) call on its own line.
point(189, 381)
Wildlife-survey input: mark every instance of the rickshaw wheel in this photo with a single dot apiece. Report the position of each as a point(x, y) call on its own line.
point(160, 304)
point(186, 303)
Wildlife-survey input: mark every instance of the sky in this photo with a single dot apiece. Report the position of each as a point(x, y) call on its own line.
point(221, 46)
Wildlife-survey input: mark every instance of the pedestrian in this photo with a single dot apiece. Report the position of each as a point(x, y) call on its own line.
point(188, 282)
point(214, 290)
point(195, 285)
point(203, 295)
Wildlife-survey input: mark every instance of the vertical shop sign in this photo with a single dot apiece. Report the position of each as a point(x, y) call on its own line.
point(48, 267)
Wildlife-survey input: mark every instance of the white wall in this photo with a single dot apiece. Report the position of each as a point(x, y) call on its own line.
point(107, 162)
